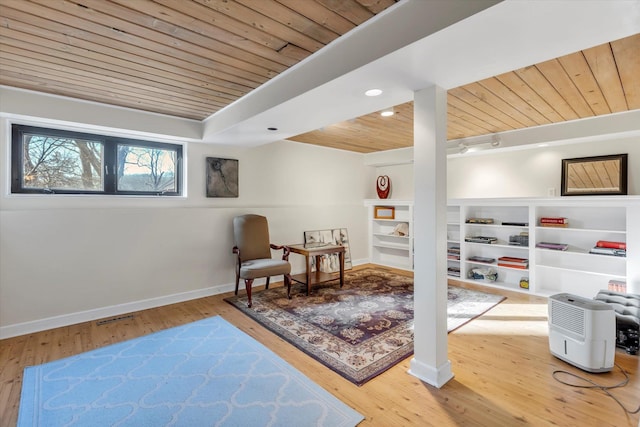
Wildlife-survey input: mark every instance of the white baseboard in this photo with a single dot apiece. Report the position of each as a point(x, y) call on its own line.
point(116, 310)
point(435, 376)
point(110, 311)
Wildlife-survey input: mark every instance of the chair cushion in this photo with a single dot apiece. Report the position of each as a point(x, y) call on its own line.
point(263, 268)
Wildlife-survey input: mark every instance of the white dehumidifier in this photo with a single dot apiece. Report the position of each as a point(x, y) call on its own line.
point(582, 332)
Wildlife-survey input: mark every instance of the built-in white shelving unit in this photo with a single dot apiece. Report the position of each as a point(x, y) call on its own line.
point(387, 248)
point(574, 270)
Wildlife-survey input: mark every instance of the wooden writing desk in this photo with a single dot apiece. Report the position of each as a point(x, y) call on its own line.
point(312, 277)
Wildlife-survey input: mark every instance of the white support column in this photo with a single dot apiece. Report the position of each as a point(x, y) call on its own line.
point(430, 362)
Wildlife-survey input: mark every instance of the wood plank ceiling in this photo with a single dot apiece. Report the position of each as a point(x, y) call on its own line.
point(190, 58)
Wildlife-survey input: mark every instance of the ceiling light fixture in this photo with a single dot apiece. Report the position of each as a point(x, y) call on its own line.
point(272, 129)
point(387, 112)
point(463, 148)
point(373, 92)
point(496, 140)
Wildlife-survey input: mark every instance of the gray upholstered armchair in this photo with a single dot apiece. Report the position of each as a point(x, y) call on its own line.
point(251, 239)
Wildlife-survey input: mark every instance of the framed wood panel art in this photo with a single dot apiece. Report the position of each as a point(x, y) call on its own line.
point(384, 212)
point(598, 175)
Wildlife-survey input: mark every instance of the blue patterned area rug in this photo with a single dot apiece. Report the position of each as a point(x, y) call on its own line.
point(361, 329)
point(206, 373)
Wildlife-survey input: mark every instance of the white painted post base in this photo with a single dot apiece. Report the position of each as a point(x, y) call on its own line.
point(436, 377)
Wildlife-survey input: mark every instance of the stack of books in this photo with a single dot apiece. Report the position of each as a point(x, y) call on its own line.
point(479, 221)
point(554, 246)
point(481, 239)
point(513, 262)
point(617, 286)
point(550, 221)
point(453, 271)
point(521, 239)
point(482, 259)
point(453, 252)
point(605, 247)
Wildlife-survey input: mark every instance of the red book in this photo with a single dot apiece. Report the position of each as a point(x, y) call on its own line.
point(609, 244)
point(521, 267)
point(553, 220)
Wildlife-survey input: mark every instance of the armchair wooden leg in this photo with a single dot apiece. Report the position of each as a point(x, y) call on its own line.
point(287, 283)
point(247, 285)
point(266, 285)
point(237, 283)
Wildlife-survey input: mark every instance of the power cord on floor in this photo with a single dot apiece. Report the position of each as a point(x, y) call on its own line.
point(598, 386)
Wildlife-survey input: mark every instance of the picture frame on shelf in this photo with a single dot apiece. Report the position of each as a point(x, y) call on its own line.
point(384, 212)
point(597, 175)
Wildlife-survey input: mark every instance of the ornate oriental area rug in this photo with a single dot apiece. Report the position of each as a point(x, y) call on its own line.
point(361, 329)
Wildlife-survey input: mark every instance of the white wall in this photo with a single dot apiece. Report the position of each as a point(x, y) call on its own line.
point(530, 172)
point(65, 259)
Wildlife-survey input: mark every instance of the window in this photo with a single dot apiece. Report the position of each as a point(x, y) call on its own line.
point(64, 162)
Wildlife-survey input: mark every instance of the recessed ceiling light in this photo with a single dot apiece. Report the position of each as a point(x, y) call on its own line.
point(373, 92)
point(387, 112)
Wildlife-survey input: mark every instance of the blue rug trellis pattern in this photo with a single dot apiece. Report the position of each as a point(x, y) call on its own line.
point(206, 373)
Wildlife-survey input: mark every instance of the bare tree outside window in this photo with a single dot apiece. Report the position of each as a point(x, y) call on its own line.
point(58, 161)
point(62, 163)
point(146, 169)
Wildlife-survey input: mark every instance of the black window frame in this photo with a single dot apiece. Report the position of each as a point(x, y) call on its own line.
point(110, 147)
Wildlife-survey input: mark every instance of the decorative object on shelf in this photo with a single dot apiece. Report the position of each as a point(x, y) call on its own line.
point(338, 236)
point(383, 186)
point(384, 212)
point(598, 175)
point(488, 274)
point(222, 177)
point(524, 283)
point(401, 229)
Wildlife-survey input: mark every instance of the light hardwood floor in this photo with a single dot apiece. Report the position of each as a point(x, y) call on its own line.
point(502, 366)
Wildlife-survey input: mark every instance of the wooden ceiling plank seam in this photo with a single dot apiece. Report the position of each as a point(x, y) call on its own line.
point(91, 84)
point(486, 95)
point(241, 13)
point(510, 97)
point(176, 24)
point(541, 86)
point(181, 77)
point(220, 20)
point(557, 76)
point(465, 95)
point(320, 15)
point(578, 70)
point(348, 9)
point(135, 86)
point(92, 20)
point(491, 121)
point(627, 55)
point(603, 66)
point(292, 19)
point(489, 127)
point(376, 6)
point(473, 129)
point(294, 52)
point(145, 58)
point(73, 91)
point(189, 90)
point(518, 86)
